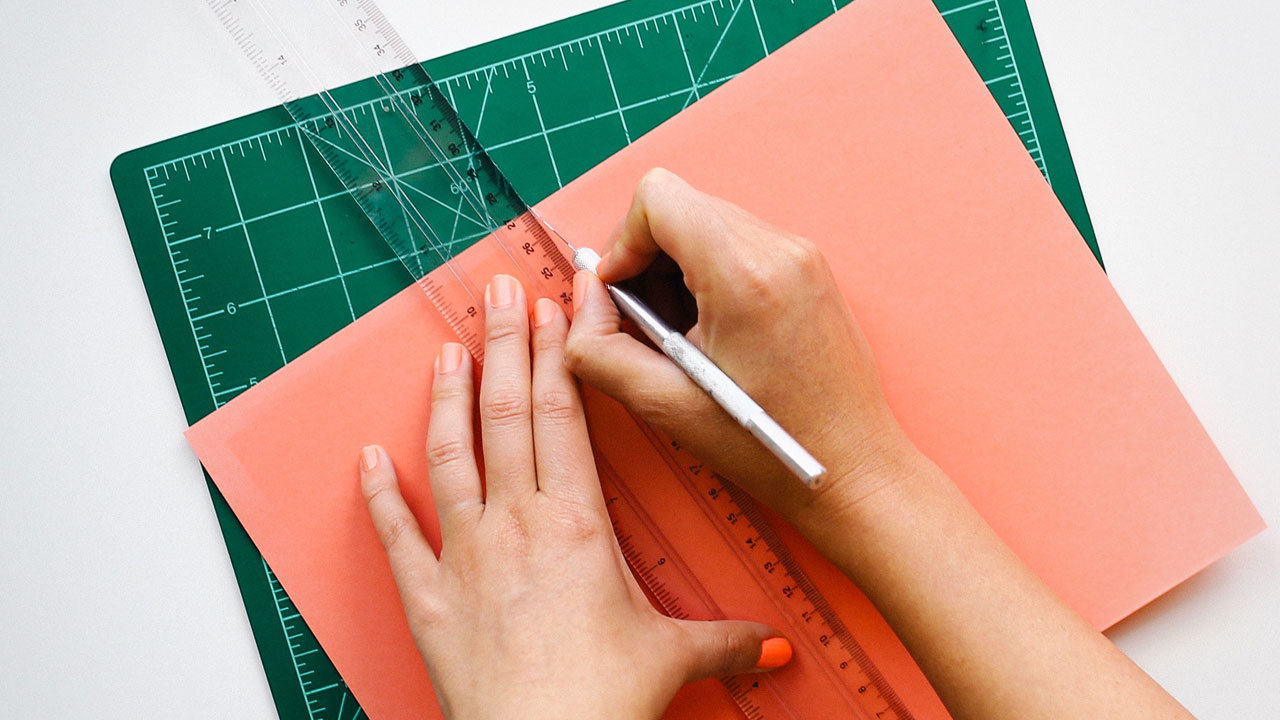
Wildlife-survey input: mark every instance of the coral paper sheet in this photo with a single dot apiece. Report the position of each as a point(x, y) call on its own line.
point(1005, 353)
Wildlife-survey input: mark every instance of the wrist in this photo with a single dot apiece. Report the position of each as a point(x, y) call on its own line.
point(870, 481)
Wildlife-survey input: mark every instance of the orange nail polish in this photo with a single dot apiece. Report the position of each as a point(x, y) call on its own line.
point(544, 311)
point(450, 358)
point(579, 290)
point(774, 652)
point(502, 291)
point(369, 458)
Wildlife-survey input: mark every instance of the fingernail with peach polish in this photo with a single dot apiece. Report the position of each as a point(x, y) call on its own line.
point(450, 358)
point(544, 311)
point(774, 652)
point(579, 289)
point(369, 458)
point(502, 291)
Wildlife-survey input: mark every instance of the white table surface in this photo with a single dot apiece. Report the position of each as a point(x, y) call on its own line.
point(116, 596)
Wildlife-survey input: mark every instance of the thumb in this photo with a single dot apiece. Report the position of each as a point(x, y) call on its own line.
point(629, 371)
point(731, 647)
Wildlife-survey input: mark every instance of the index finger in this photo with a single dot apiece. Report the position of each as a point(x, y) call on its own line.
point(566, 466)
point(667, 215)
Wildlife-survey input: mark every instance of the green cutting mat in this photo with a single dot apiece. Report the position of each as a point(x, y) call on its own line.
point(252, 252)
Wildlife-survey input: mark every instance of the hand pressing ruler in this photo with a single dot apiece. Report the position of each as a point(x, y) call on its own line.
point(252, 252)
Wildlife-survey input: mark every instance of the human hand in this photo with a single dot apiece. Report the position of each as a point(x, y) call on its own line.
point(530, 610)
point(769, 313)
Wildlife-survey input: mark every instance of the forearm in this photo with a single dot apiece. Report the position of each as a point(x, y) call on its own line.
point(992, 638)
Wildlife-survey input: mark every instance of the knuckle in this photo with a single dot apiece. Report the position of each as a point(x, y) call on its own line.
point(578, 523)
point(396, 530)
point(505, 406)
point(759, 283)
point(549, 343)
point(446, 388)
point(650, 182)
point(556, 405)
point(425, 611)
point(764, 280)
point(372, 490)
point(549, 350)
point(733, 646)
point(503, 331)
point(805, 256)
point(447, 452)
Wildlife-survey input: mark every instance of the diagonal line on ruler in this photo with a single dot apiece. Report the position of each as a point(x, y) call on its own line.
point(720, 41)
point(396, 182)
point(400, 178)
point(484, 102)
point(453, 232)
point(363, 161)
point(347, 152)
point(441, 203)
point(455, 177)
